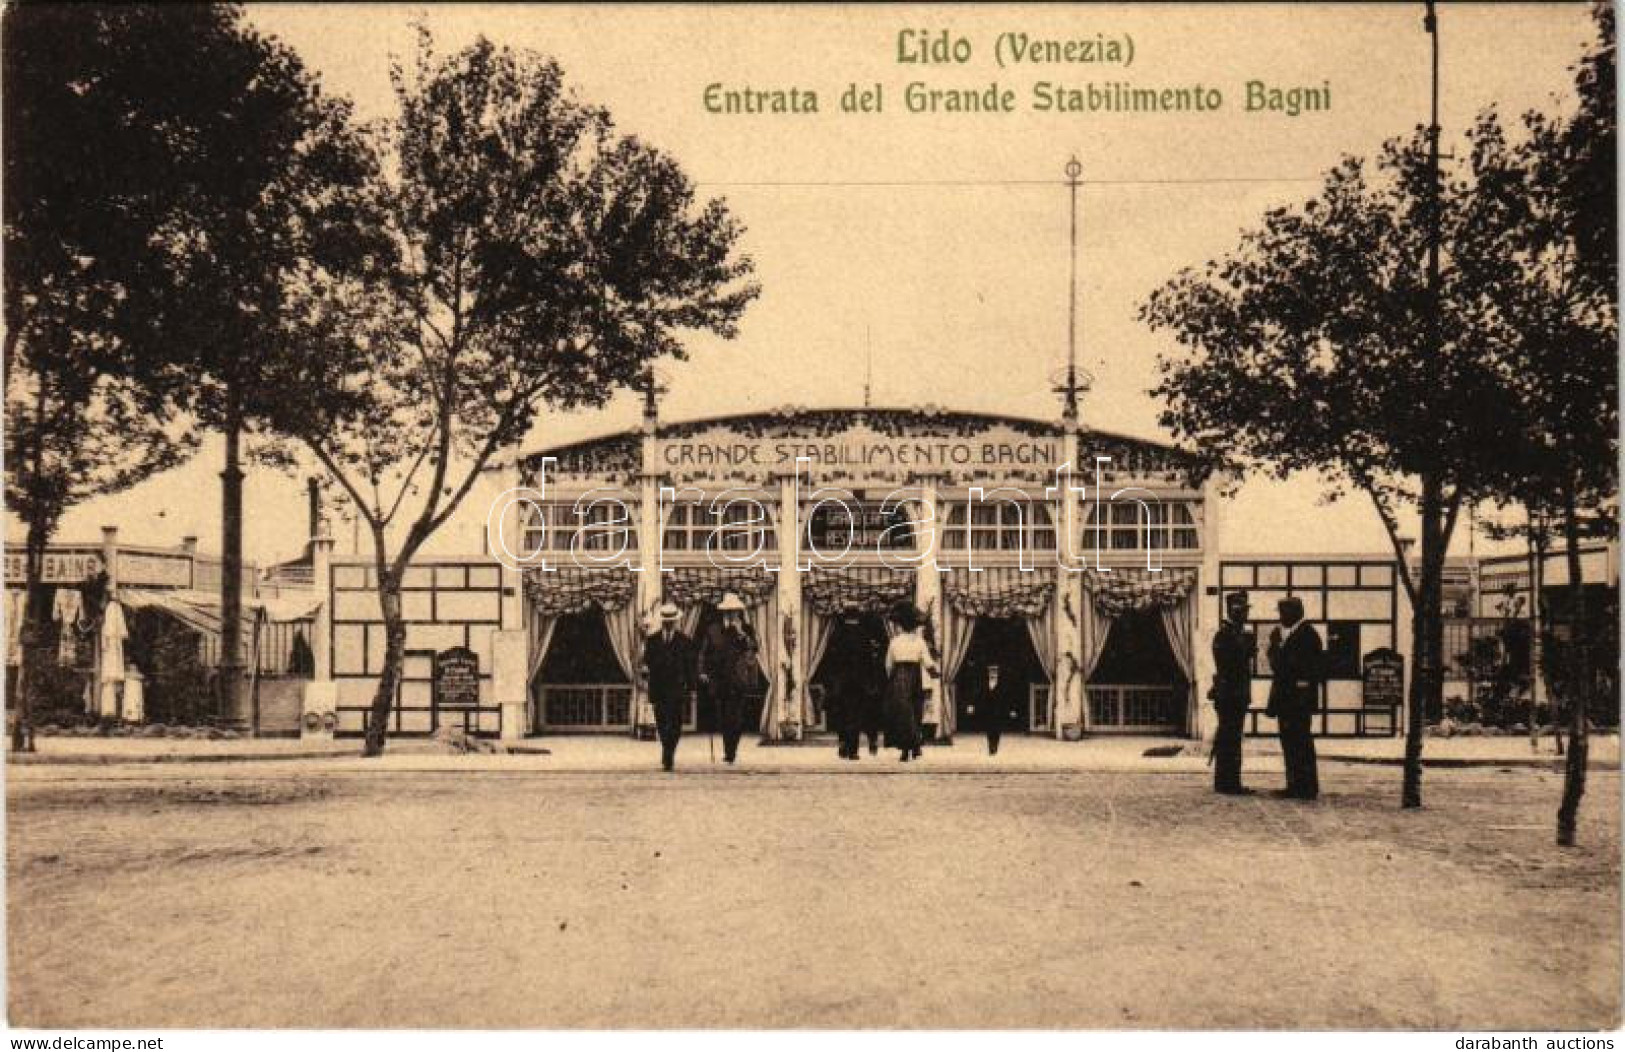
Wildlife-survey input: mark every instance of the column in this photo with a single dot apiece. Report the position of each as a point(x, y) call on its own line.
point(1070, 713)
point(1207, 608)
point(510, 643)
point(110, 556)
point(789, 680)
point(108, 679)
point(651, 588)
point(318, 716)
point(929, 598)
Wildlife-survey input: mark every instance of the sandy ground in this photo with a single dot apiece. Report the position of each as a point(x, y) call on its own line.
point(261, 894)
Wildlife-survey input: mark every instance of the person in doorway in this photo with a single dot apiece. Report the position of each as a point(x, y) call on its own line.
point(994, 702)
point(728, 669)
point(908, 659)
point(1231, 693)
point(872, 693)
point(1295, 655)
point(668, 664)
point(846, 689)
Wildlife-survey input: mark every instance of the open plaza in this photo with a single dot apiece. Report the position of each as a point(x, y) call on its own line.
point(585, 888)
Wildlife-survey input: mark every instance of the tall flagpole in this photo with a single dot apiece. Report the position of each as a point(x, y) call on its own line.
point(1073, 171)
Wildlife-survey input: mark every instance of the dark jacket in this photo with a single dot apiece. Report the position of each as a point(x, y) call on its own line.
point(1232, 668)
point(1296, 663)
point(670, 667)
point(997, 707)
point(728, 658)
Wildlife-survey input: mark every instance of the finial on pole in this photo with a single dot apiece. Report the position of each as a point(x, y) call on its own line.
point(654, 385)
point(868, 363)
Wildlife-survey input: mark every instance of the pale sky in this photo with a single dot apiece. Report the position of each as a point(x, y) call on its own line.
point(959, 290)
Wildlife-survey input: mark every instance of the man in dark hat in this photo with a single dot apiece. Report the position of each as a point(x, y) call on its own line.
point(728, 670)
point(1296, 654)
point(1231, 693)
point(668, 662)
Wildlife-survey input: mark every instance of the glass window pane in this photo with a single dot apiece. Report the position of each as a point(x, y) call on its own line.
point(1342, 576)
point(1272, 577)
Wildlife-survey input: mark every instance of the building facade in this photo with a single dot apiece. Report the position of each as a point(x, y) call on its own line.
point(1086, 564)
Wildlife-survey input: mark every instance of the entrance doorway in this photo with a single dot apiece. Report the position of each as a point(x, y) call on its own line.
point(1137, 686)
point(856, 653)
point(581, 686)
point(1005, 642)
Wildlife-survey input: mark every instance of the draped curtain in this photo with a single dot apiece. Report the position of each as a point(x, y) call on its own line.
point(957, 628)
point(1176, 622)
point(820, 629)
point(1041, 630)
point(1097, 625)
point(541, 636)
point(763, 618)
point(625, 626)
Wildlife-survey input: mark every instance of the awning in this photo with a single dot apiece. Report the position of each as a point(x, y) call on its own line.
point(200, 611)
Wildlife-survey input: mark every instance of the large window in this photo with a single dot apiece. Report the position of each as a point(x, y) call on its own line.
point(1128, 525)
point(737, 526)
point(600, 526)
point(857, 526)
point(998, 525)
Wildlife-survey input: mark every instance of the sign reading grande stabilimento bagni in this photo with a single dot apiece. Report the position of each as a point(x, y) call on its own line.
point(986, 453)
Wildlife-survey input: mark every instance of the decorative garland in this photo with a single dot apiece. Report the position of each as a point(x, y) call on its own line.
point(572, 590)
point(875, 590)
point(689, 585)
point(1124, 590)
point(999, 593)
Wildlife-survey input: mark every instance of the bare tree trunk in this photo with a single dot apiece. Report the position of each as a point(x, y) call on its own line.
point(1426, 636)
point(1537, 567)
point(383, 699)
point(231, 567)
point(1579, 660)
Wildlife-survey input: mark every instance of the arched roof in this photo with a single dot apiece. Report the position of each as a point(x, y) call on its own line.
point(618, 451)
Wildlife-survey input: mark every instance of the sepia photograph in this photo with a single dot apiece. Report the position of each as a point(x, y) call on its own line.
point(830, 518)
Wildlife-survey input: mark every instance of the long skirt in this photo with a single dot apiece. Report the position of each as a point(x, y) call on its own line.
point(904, 695)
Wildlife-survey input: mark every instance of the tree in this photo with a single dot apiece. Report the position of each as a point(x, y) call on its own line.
point(278, 185)
point(1558, 327)
point(539, 261)
point(1312, 347)
point(87, 391)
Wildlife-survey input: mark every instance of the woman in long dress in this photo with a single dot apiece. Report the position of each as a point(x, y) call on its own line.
point(907, 659)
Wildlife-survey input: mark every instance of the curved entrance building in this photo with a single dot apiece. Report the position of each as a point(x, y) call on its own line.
point(1084, 565)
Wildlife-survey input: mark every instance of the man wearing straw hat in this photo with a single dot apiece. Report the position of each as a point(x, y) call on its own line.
point(728, 670)
point(668, 662)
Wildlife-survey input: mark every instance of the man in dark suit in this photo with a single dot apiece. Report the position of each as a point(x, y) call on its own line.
point(1295, 656)
point(728, 670)
point(995, 700)
point(1231, 693)
point(847, 686)
point(668, 664)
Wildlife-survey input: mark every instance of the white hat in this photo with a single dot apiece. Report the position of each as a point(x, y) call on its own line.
point(669, 612)
point(730, 601)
